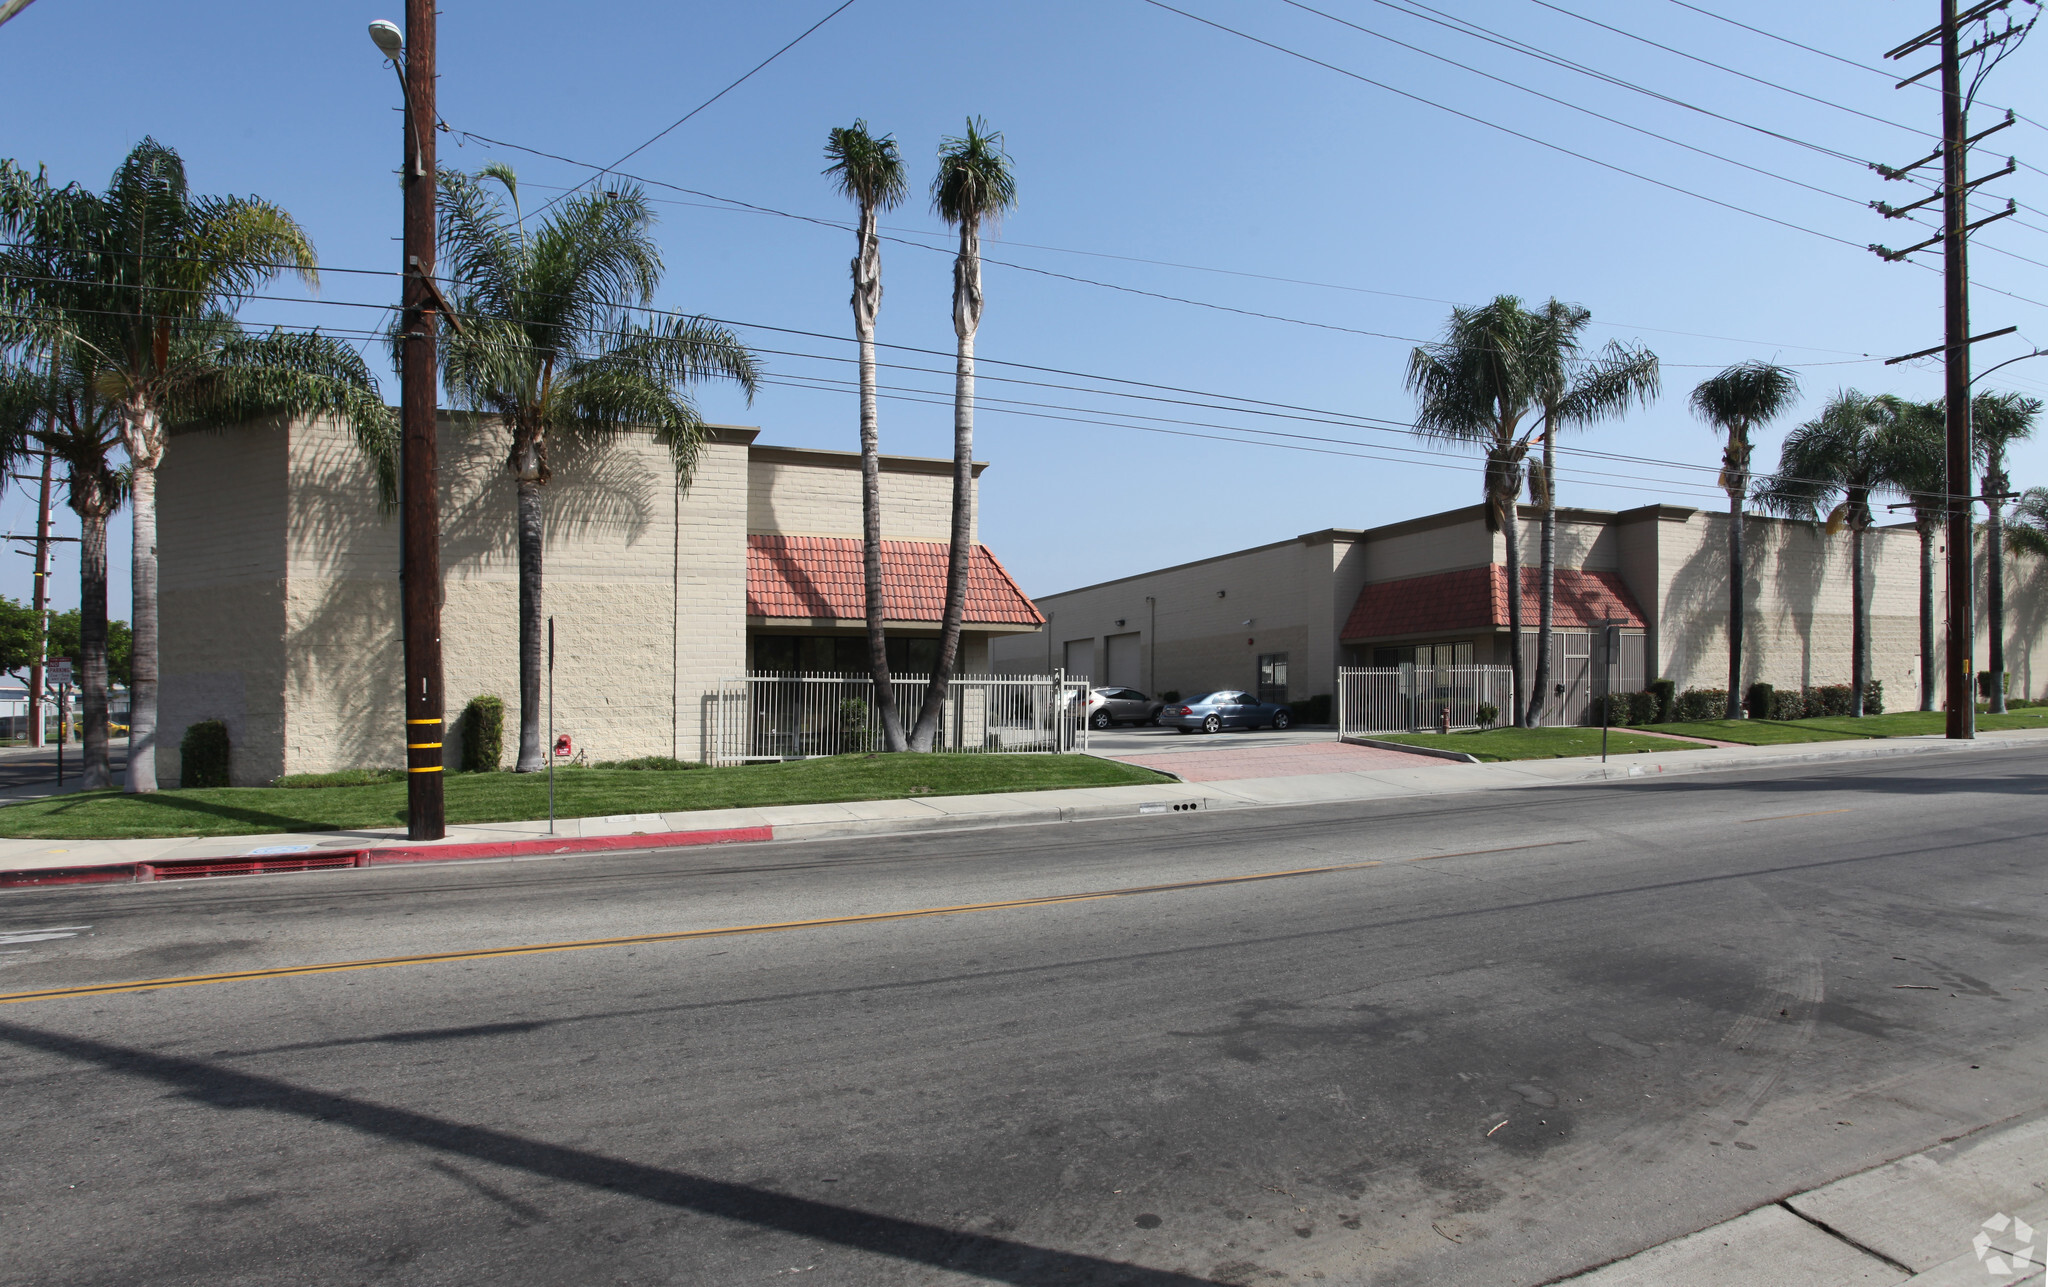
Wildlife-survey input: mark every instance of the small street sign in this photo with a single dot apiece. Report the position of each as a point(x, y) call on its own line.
point(57, 673)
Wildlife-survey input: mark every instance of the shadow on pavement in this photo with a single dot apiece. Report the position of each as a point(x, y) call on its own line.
point(979, 1255)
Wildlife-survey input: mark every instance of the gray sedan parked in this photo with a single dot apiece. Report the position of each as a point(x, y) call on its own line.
point(1108, 707)
point(1214, 712)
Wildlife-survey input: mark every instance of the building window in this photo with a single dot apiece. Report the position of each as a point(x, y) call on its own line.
point(839, 655)
point(1425, 655)
point(1273, 677)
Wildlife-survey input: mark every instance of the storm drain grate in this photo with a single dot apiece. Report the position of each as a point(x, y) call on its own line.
point(269, 866)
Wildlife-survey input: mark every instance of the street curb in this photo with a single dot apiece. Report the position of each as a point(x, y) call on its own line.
point(283, 864)
point(1457, 756)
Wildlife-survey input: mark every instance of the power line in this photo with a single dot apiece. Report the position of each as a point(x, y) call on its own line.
point(1612, 120)
point(706, 103)
point(1529, 138)
point(1708, 62)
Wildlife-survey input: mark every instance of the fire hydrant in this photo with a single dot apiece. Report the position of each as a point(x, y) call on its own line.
point(1443, 719)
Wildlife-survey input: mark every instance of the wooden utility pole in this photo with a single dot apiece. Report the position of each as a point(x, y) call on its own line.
point(1962, 599)
point(1954, 195)
point(419, 405)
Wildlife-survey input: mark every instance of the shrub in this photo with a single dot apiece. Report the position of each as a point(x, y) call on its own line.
point(1827, 699)
point(1612, 709)
point(1487, 715)
point(1758, 700)
point(651, 763)
point(1312, 710)
point(1787, 703)
point(1873, 697)
point(1642, 707)
point(1984, 678)
point(483, 734)
point(1702, 703)
point(1170, 695)
point(344, 778)
point(853, 725)
point(1665, 691)
point(203, 755)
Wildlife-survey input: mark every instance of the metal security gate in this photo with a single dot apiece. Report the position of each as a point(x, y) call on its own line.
point(796, 716)
point(1405, 699)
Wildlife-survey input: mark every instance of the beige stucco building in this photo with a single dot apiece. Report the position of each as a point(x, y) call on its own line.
point(280, 605)
point(1283, 617)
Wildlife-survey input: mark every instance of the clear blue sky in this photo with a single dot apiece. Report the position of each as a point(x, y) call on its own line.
point(1137, 134)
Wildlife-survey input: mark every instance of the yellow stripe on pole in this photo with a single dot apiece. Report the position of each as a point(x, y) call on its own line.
point(435, 720)
point(434, 769)
point(422, 746)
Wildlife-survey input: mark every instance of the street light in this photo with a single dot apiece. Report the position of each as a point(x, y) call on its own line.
point(390, 40)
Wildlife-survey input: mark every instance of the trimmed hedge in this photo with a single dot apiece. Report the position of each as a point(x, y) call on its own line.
point(483, 734)
point(1757, 701)
point(1666, 693)
point(204, 755)
point(1702, 703)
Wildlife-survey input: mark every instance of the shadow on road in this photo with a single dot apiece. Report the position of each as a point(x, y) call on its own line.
point(979, 1255)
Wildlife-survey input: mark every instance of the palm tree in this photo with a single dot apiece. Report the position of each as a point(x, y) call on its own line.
point(974, 185)
point(1477, 386)
point(1737, 402)
point(550, 345)
point(1917, 443)
point(1573, 392)
point(147, 278)
point(1998, 420)
point(1846, 452)
point(869, 171)
point(66, 417)
point(2029, 531)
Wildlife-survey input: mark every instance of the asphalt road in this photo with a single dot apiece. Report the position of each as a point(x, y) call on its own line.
point(1508, 1036)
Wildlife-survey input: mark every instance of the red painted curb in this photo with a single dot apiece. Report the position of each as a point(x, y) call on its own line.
point(126, 872)
point(564, 845)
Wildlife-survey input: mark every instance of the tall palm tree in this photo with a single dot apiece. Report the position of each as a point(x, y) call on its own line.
point(2029, 531)
point(551, 346)
point(974, 185)
point(1917, 444)
point(147, 277)
point(1830, 466)
point(1737, 402)
point(1573, 392)
point(1998, 420)
point(869, 172)
point(1480, 385)
point(62, 413)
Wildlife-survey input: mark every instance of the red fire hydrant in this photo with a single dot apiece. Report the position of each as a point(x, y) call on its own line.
point(1443, 719)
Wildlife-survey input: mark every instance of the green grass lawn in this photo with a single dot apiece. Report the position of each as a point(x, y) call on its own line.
point(1755, 732)
point(1541, 743)
point(579, 793)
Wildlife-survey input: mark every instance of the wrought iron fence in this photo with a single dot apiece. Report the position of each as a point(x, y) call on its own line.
point(1401, 699)
point(796, 716)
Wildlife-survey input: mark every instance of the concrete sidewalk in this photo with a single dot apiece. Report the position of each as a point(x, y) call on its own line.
point(941, 813)
point(1970, 1212)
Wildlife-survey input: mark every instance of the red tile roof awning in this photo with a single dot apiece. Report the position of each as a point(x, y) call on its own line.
point(819, 578)
point(1477, 599)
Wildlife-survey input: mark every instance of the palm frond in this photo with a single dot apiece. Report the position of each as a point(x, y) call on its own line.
point(975, 183)
point(866, 169)
point(2027, 530)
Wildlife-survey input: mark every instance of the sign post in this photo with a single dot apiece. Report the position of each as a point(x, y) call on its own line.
point(1610, 643)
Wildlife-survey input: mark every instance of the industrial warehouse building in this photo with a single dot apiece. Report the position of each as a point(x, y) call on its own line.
point(1280, 619)
point(280, 601)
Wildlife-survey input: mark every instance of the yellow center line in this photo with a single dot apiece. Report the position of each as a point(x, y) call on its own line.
point(1780, 817)
point(678, 936)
